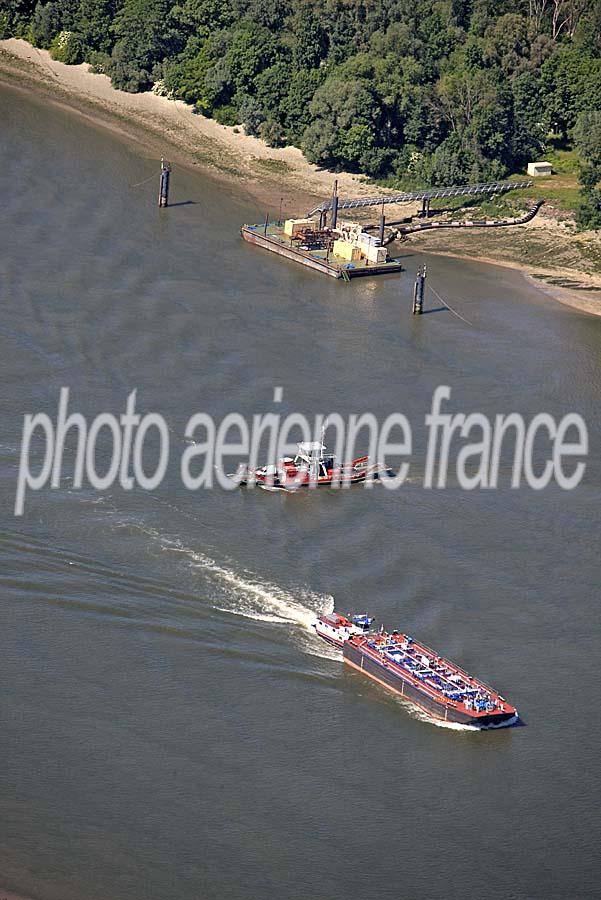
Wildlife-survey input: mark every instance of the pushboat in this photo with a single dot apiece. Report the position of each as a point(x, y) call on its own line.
point(335, 629)
point(412, 670)
point(312, 466)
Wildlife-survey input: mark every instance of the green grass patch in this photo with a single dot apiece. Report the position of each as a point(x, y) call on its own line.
point(275, 166)
point(564, 162)
point(561, 191)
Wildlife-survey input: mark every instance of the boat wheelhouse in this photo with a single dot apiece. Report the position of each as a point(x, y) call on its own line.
point(336, 629)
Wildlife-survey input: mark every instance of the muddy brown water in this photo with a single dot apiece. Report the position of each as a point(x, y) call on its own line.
point(170, 727)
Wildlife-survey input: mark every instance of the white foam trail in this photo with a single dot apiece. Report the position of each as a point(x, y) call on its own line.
point(450, 726)
point(458, 726)
point(312, 645)
point(256, 616)
point(246, 596)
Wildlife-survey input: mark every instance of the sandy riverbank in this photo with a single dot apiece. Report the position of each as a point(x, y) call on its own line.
point(160, 126)
point(225, 152)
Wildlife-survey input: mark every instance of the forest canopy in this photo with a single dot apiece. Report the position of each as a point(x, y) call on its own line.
point(430, 91)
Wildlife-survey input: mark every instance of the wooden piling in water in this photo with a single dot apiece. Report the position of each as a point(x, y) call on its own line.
point(164, 184)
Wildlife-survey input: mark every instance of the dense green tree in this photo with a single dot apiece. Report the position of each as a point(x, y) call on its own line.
point(144, 36)
point(506, 44)
point(451, 163)
point(271, 86)
point(218, 86)
point(250, 113)
point(588, 213)
point(530, 122)
point(202, 79)
point(46, 23)
point(272, 132)
point(269, 13)
point(571, 82)
point(15, 16)
point(294, 108)
point(251, 50)
point(345, 115)
point(587, 135)
point(309, 39)
point(427, 90)
point(203, 17)
point(68, 47)
point(93, 21)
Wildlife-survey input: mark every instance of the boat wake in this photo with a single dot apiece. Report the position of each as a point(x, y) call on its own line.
point(458, 726)
point(244, 594)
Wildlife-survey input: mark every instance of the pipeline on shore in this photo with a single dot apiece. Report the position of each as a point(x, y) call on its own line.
point(401, 232)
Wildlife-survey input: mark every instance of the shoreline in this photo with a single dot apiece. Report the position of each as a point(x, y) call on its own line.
point(156, 124)
point(588, 301)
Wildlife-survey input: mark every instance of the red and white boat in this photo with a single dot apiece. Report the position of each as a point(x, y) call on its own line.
point(313, 466)
point(336, 629)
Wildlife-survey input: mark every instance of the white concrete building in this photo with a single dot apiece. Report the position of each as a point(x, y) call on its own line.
point(540, 168)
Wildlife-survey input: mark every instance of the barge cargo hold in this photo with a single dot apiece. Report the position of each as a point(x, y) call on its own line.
point(438, 687)
point(273, 238)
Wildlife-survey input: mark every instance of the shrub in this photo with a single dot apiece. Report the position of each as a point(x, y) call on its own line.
point(5, 26)
point(67, 47)
point(588, 214)
point(250, 113)
point(272, 133)
point(226, 115)
point(98, 62)
point(587, 135)
point(161, 90)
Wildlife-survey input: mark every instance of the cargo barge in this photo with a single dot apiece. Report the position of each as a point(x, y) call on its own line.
point(322, 249)
point(413, 671)
point(437, 686)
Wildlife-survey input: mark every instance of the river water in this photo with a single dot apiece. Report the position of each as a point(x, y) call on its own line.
point(170, 727)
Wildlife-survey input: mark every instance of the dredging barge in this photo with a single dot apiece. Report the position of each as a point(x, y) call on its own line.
point(413, 671)
point(304, 242)
point(347, 249)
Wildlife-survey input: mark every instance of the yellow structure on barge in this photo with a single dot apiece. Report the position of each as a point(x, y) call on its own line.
point(343, 250)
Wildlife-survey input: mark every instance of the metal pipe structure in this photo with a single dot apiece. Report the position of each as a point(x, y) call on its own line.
point(334, 212)
point(399, 233)
point(463, 190)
